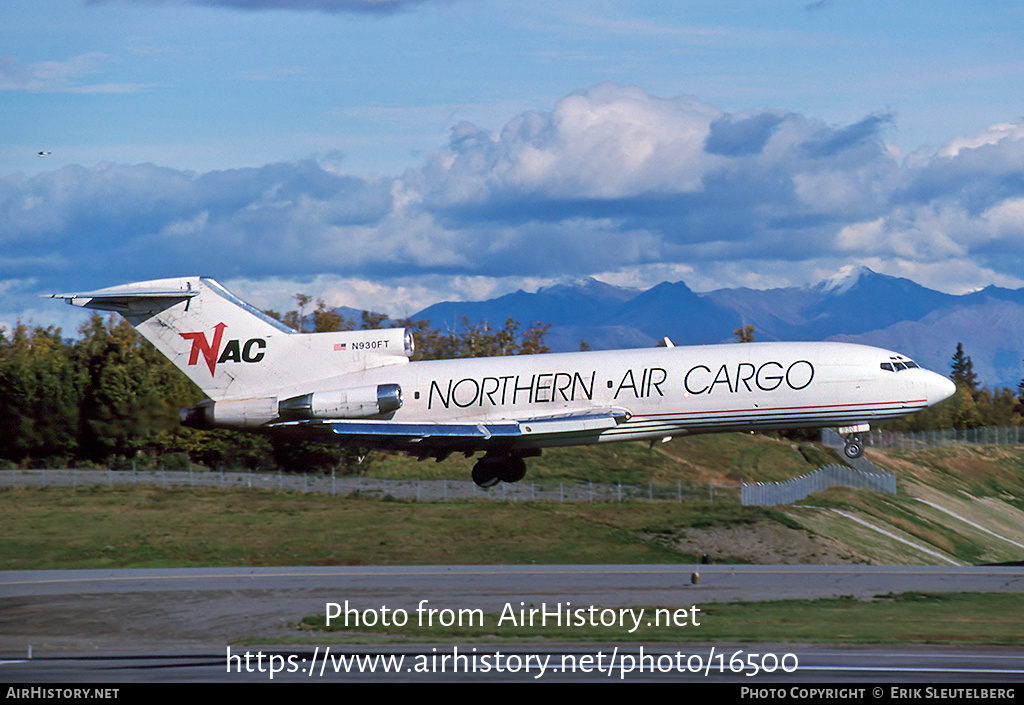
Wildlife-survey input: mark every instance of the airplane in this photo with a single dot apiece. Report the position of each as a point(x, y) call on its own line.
point(360, 388)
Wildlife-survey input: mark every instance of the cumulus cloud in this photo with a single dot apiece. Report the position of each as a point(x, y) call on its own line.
point(741, 135)
point(611, 179)
point(832, 142)
point(676, 178)
point(608, 142)
point(156, 221)
point(994, 134)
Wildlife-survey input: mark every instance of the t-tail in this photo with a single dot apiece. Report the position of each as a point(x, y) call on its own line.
point(234, 351)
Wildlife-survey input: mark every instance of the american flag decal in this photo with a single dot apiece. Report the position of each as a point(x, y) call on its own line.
point(339, 346)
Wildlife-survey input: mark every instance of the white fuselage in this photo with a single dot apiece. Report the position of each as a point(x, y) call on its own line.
point(664, 391)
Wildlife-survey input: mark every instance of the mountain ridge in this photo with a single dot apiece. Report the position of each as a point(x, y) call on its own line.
point(858, 306)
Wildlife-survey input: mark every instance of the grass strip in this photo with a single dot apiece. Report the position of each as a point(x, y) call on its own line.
point(915, 617)
point(152, 527)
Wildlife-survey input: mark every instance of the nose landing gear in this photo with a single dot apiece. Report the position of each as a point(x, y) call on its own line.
point(854, 447)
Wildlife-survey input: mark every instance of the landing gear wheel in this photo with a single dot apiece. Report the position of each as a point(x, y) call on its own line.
point(489, 471)
point(854, 448)
point(512, 470)
point(485, 474)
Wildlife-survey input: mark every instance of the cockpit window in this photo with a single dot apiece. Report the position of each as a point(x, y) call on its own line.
point(897, 365)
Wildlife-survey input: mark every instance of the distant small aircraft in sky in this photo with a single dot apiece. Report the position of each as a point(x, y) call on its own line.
point(360, 389)
point(43, 154)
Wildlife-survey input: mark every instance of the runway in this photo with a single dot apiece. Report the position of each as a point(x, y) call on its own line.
point(176, 624)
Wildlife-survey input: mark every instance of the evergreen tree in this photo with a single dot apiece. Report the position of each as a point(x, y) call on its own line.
point(39, 395)
point(962, 410)
point(131, 394)
point(963, 370)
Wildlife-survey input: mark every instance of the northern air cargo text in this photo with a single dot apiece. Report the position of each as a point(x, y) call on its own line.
point(647, 382)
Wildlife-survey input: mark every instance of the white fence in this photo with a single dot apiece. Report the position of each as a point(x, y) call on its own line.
point(863, 475)
point(772, 493)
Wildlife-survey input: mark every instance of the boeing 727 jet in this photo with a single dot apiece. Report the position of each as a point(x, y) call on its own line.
point(360, 389)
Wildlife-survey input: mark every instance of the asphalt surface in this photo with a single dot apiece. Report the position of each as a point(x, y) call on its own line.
point(178, 624)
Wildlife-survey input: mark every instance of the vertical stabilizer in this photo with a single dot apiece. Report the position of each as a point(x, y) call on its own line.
point(228, 347)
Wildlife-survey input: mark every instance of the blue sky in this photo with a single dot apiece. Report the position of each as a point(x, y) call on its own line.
point(389, 155)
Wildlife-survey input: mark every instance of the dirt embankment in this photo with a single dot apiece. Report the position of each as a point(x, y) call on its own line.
point(764, 542)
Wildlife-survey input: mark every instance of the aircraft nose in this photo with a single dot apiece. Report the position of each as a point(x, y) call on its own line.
point(939, 388)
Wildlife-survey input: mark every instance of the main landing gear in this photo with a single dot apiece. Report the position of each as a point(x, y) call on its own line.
point(492, 469)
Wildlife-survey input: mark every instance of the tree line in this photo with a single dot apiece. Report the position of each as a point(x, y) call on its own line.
point(108, 397)
point(972, 406)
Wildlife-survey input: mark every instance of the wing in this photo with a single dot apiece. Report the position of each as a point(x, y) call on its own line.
point(428, 439)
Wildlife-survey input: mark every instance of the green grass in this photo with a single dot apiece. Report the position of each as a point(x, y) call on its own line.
point(148, 527)
point(138, 527)
point(722, 458)
point(947, 618)
point(125, 526)
point(902, 513)
point(977, 470)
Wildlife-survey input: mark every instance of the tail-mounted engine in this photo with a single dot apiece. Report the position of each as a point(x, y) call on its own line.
point(356, 403)
point(343, 403)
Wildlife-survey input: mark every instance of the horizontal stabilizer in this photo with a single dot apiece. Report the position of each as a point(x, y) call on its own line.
point(126, 300)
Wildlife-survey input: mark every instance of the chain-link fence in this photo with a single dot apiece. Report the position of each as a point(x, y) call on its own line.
point(943, 438)
point(398, 489)
point(864, 474)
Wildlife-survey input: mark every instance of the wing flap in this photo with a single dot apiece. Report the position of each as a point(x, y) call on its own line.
point(463, 436)
point(572, 424)
point(417, 432)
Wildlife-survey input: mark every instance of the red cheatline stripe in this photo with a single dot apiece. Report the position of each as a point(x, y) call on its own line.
point(779, 408)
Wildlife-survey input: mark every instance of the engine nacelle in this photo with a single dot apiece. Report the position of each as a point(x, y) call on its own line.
point(355, 403)
point(209, 414)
